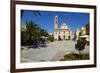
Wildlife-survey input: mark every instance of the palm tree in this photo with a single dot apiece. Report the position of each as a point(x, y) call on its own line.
point(31, 30)
point(32, 33)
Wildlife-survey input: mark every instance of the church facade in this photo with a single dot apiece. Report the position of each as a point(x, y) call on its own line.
point(62, 33)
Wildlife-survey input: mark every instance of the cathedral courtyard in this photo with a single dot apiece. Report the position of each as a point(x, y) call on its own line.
point(54, 51)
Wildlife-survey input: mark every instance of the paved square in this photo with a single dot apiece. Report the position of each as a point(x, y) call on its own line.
point(53, 52)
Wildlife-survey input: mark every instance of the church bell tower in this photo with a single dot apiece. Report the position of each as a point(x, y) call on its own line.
point(56, 22)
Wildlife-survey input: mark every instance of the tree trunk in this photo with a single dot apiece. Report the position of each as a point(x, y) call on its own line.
point(79, 55)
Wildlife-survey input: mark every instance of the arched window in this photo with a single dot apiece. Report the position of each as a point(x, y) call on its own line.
point(64, 32)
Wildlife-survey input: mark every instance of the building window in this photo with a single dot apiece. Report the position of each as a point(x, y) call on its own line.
point(69, 32)
point(64, 37)
point(64, 32)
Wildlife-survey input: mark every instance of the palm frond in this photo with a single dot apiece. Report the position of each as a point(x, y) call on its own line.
point(36, 13)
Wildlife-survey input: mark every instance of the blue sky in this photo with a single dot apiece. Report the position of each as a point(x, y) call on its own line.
point(46, 21)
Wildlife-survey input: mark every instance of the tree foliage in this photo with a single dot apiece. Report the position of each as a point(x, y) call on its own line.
point(80, 45)
point(32, 34)
point(87, 29)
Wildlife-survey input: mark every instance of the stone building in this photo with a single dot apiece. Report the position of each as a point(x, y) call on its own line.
point(62, 33)
point(82, 33)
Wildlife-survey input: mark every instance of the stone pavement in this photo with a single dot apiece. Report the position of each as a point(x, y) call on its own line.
point(53, 52)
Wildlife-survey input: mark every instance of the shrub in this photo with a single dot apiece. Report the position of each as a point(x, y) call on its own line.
point(80, 45)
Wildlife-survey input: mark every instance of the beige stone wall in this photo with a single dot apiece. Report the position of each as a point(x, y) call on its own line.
point(62, 34)
point(83, 34)
point(77, 34)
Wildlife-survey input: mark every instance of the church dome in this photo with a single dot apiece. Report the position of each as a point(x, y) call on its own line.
point(64, 26)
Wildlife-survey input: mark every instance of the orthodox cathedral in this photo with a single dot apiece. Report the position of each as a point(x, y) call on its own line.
point(62, 33)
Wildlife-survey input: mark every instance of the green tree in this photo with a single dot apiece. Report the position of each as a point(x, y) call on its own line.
point(24, 37)
point(87, 29)
point(51, 38)
point(32, 33)
point(80, 45)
